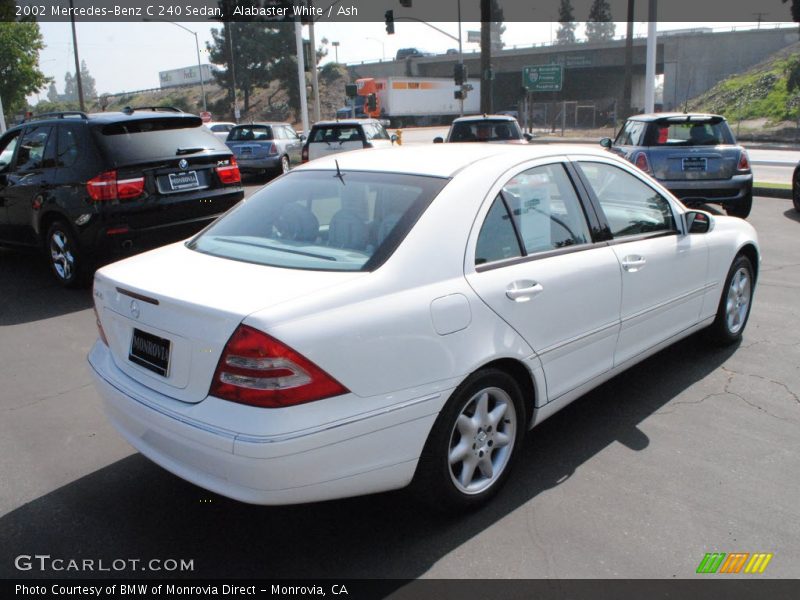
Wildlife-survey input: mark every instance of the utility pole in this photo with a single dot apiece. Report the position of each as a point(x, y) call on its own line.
point(650, 65)
point(236, 113)
point(628, 84)
point(460, 61)
point(486, 56)
point(301, 73)
point(2, 118)
point(312, 62)
point(77, 60)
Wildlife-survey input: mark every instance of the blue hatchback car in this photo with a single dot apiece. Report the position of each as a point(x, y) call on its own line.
point(694, 156)
point(270, 148)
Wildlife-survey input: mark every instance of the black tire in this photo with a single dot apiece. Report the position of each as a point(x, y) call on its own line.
point(64, 255)
point(445, 486)
point(740, 208)
point(734, 304)
point(796, 189)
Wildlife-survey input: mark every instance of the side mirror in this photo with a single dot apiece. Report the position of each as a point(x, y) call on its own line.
point(393, 137)
point(606, 142)
point(302, 136)
point(528, 137)
point(697, 221)
point(438, 140)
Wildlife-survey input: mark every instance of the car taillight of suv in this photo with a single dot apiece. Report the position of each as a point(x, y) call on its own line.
point(106, 186)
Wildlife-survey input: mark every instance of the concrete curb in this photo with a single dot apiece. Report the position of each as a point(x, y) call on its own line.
point(770, 192)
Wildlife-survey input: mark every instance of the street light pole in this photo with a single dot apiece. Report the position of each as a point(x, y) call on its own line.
point(197, 47)
point(77, 60)
point(460, 61)
point(336, 49)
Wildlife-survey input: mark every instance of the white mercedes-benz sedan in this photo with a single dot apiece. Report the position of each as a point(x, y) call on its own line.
point(392, 317)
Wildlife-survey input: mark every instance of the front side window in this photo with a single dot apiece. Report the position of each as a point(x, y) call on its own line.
point(321, 220)
point(32, 147)
point(631, 206)
point(7, 150)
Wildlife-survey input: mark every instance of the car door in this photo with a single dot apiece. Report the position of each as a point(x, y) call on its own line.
point(30, 177)
point(629, 139)
point(294, 144)
point(8, 148)
point(663, 270)
point(533, 260)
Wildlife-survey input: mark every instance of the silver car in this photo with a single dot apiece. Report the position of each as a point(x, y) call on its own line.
point(694, 155)
point(270, 148)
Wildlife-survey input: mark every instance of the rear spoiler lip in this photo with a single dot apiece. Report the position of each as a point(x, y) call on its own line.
point(691, 119)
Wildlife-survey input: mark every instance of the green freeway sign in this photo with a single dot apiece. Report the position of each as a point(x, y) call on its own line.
point(543, 78)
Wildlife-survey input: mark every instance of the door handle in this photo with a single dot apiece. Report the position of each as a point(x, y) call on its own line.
point(633, 263)
point(522, 291)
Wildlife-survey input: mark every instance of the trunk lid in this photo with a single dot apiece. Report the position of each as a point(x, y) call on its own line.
point(694, 163)
point(167, 314)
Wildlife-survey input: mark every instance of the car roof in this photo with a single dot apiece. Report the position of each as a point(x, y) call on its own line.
point(344, 122)
point(269, 123)
point(674, 115)
point(472, 118)
point(106, 118)
point(441, 160)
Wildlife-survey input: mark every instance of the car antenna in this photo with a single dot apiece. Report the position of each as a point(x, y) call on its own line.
point(339, 173)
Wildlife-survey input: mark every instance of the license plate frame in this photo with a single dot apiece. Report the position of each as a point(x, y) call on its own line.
point(193, 182)
point(150, 351)
point(694, 164)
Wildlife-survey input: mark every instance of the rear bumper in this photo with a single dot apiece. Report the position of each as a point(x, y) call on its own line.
point(334, 459)
point(250, 165)
point(720, 191)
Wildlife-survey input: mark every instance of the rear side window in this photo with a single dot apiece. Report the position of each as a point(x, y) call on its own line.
point(67, 153)
point(694, 133)
point(153, 139)
point(630, 134)
point(337, 134)
point(220, 128)
point(375, 132)
point(257, 133)
point(318, 220)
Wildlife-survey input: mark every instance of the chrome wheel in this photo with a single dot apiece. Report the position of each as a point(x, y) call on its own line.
point(482, 440)
point(738, 300)
point(62, 256)
point(285, 164)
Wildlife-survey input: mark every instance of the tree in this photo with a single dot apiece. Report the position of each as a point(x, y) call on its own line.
point(795, 9)
point(52, 92)
point(87, 82)
point(566, 19)
point(70, 88)
point(497, 27)
point(600, 27)
point(20, 43)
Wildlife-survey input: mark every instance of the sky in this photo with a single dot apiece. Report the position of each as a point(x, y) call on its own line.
point(128, 56)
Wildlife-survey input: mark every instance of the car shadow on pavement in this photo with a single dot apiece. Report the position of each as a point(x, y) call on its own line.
point(31, 293)
point(134, 509)
point(792, 214)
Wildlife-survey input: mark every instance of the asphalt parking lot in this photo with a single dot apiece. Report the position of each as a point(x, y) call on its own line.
point(695, 450)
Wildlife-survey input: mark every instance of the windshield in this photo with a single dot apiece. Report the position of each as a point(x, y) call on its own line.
point(352, 221)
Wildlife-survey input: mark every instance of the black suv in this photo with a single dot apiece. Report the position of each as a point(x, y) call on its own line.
point(86, 187)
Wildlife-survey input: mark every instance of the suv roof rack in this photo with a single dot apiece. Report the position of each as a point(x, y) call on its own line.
point(57, 115)
point(129, 110)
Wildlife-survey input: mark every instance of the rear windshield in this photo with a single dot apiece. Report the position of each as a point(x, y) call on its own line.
point(692, 133)
point(319, 220)
point(337, 133)
point(485, 131)
point(154, 139)
point(250, 133)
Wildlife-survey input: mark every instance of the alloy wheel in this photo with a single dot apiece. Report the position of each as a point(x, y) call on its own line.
point(738, 300)
point(61, 254)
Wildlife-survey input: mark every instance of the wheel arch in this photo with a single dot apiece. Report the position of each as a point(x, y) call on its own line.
point(46, 220)
point(524, 378)
point(749, 250)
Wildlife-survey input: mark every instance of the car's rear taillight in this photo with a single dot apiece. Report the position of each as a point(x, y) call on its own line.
point(744, 162)
point(368, 145)
point(273, 149)
point(640, 160)
point(106, 186)
point(228, 171)
point(258, 370)
point(304, 154)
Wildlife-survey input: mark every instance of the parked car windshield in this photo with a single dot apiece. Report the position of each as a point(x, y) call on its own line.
point(249, 133)
point(485, 131)
point(322, 220)
point(691, 133)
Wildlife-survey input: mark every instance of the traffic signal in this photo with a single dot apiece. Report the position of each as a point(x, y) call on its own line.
point(307, 59)
point(460, 73)
point(372, 103)
point(389, 18)
point(350, 90)
point(405, 3)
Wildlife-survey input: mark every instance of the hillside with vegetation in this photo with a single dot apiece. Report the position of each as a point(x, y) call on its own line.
point(762, 102)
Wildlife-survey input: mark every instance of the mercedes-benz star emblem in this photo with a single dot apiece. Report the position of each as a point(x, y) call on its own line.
point(134, 309)
point(183, 163)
